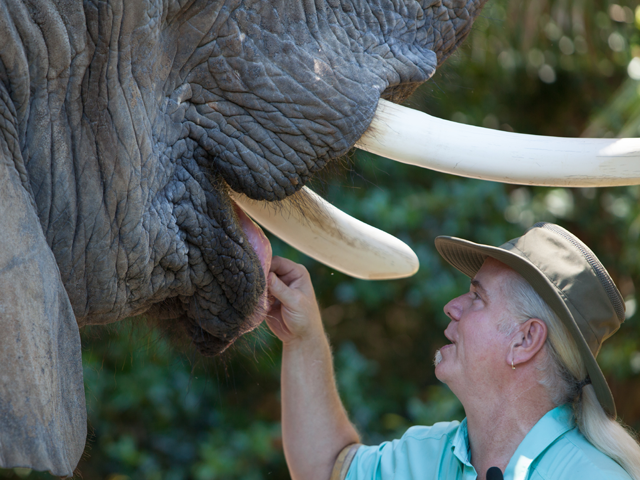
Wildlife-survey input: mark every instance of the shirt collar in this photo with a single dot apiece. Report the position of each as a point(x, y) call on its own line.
point(552, 425)
point(460, 444)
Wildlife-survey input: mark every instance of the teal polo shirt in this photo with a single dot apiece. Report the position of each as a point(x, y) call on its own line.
point(554, 449)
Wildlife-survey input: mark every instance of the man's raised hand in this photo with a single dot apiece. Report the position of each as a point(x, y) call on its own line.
point(294, 315)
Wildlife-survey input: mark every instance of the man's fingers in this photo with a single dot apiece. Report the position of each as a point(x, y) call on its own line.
point(298, 314)
point(275, 309)
point(278, 327)
point(292, 275)
point(281, 265)
point(287, 270)
point(280, 290)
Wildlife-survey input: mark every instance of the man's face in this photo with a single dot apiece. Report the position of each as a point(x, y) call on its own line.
point(478, 351)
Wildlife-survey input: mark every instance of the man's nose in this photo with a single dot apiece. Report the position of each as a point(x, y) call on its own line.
point(454, 308)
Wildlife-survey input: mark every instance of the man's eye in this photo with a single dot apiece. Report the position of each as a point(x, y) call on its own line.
point(475, 295)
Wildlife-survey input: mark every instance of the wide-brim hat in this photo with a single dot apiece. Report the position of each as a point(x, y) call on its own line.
point(567, 275)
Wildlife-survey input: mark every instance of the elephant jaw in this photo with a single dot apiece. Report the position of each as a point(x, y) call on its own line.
point(261, 246)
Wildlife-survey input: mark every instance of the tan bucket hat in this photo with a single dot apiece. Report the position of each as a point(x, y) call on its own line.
point(567, 275)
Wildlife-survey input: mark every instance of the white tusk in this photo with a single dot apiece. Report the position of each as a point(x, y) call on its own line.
point(415, 138)
point(332, 237)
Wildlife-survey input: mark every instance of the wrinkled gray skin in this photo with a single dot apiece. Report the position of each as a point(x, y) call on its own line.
point(122, 126)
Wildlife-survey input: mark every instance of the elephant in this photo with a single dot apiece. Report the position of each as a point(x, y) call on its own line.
point(125, 129)
point(137, 138)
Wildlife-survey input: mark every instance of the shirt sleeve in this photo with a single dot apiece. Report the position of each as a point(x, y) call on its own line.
point(345, 457)
point(367, 464)
point(421, 450)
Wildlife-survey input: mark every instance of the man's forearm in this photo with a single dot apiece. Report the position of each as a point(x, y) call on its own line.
point(315, 426)
point(314, 422)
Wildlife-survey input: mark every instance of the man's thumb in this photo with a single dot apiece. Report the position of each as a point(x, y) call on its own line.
point(278, 289)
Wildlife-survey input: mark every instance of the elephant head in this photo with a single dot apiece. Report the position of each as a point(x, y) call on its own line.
point(135, 135)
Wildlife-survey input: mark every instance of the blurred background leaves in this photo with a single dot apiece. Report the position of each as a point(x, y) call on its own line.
point(551, 67)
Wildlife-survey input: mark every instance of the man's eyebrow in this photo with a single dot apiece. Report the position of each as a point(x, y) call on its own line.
point(478, 286)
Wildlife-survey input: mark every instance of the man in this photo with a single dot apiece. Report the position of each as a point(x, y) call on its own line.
point(521, 360)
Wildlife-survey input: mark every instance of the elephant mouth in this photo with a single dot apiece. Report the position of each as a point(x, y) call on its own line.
point(262, 248)
point(248, 295)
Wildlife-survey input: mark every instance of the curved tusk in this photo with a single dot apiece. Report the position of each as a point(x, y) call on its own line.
point(415, 138)
point(332, 237)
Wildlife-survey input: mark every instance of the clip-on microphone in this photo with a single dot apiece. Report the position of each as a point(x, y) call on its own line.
point(494, 473)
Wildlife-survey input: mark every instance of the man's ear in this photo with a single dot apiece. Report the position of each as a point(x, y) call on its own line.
point(528, 341)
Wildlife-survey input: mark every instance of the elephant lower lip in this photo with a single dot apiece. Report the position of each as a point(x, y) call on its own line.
point(260, 244)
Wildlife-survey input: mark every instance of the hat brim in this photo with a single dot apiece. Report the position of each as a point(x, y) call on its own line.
point(468, 257)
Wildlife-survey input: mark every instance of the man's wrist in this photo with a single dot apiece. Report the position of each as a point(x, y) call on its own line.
point(313, 338)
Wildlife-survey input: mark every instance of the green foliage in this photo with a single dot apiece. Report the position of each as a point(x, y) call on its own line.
point(558, 67)
point(156, 413)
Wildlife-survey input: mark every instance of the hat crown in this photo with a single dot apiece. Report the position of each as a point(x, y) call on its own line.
point(581, 283)
point(617, 302)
